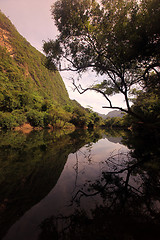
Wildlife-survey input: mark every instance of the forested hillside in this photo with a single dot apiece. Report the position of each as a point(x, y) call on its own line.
point(23, 66)
point(29, 92)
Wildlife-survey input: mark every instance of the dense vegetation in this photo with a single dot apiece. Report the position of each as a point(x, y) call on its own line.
point(29, 92)
point(119, 40)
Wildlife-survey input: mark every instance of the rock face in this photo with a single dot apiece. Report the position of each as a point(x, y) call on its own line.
point(4, 40)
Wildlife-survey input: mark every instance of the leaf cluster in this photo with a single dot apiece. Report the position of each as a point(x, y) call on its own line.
point(118, 39)
point(105, 36)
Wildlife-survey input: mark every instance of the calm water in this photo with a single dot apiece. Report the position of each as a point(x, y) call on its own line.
point(83, 185)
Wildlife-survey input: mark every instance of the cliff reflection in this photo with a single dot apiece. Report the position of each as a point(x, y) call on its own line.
point(30, 166)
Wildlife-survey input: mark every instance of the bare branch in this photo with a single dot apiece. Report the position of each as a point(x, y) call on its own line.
point(119, 108)
point(93, 89)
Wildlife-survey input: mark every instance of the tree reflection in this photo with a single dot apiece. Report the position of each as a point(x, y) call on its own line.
point(126, 187)
point(130, 191)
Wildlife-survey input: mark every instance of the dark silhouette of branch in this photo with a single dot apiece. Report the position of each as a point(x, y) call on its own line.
point(81, 91)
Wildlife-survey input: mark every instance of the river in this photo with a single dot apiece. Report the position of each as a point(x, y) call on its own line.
point(82, 185)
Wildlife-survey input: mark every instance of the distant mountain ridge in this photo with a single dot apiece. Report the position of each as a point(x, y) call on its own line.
point(114, 113)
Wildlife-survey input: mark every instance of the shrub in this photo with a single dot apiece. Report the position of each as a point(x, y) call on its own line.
point(19, 116)
point(47, 119)
point(116, 122)
point(7, 120)
point(35, 118)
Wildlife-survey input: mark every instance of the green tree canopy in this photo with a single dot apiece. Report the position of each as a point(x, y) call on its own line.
point(119, 40)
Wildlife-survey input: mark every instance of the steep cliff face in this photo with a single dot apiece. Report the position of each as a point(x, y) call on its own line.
point(23, 76)
point(29, 92)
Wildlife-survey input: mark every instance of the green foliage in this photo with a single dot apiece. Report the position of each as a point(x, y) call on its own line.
point(85, 118)
point(68, 108)
point(20, 117)
point(147, 105)
point(11, 120)
point(118, 39)
point(27, 64)
point(79, 117)
point(29, 92)
point(94, 120)
point(147, 101)
point(7, 120)
point(35, 118)
point(116, 122)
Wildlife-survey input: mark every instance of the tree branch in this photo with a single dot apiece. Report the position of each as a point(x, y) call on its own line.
point(91, 88)
point(119, 108)
point(152, 66)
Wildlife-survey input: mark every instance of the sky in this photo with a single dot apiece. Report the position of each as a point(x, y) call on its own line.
point(33, 20)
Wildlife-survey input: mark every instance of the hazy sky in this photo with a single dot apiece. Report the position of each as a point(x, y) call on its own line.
point(33, 20)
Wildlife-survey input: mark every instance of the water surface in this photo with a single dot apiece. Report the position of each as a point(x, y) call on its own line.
point(56, 186)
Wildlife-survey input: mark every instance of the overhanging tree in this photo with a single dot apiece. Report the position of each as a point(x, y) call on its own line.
point(119, 40)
